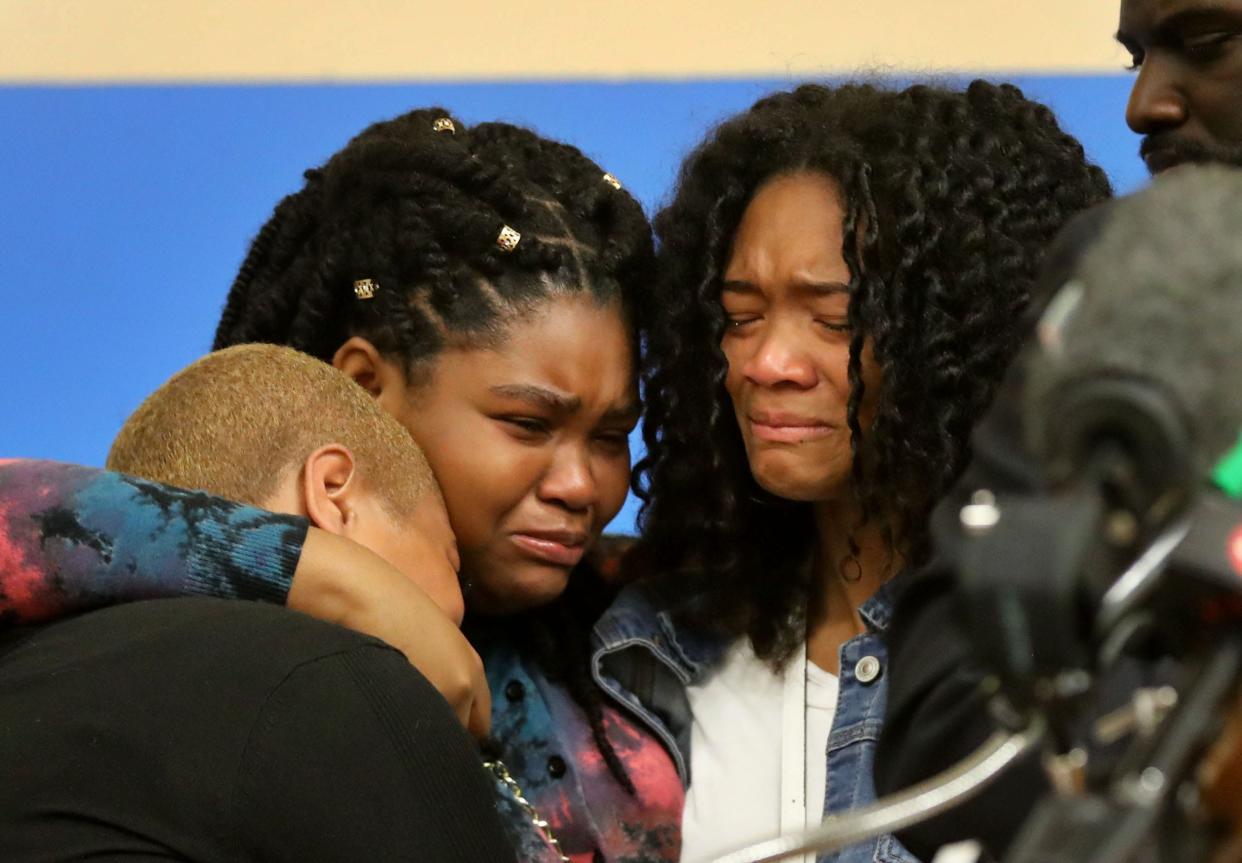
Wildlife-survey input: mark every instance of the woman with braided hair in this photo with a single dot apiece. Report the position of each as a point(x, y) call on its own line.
point(484, 285)
point(841, 276)
point(502, 277)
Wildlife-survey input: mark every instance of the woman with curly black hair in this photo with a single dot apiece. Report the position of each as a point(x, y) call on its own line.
point(483, 284)
point(842, 274)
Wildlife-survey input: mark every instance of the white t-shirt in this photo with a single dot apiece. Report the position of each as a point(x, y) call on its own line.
point(758, 752)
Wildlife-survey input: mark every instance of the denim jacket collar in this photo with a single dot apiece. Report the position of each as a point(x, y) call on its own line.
point(635, 617)
point(877, 611)
point(645, 661)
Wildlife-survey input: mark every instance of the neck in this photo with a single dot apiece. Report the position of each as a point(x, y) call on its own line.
point(841, 581)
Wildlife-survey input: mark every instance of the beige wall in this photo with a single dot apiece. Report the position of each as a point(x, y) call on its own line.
point(111, 40)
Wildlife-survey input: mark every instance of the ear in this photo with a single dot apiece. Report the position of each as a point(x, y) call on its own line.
point(385, 380)
point(330, 488)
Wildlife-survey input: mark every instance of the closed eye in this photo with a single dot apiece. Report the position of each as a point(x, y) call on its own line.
point(617, 439)
point(1205, 47)
point(526, 425)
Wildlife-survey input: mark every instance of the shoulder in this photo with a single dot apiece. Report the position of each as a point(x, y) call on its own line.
point(248, 624)
point(636, 612)
point(642, 616)
point(209, 638)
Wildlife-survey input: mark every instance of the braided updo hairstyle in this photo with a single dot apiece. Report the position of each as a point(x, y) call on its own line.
point(950, 198)
point(416, 205)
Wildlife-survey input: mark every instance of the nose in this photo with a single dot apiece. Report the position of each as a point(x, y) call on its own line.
point(569, 480)
point(779, 360)
point(1156, 104)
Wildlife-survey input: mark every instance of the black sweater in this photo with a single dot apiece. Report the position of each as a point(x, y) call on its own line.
point(203, 730)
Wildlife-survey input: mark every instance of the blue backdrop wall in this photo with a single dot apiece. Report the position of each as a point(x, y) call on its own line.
point(126, 210)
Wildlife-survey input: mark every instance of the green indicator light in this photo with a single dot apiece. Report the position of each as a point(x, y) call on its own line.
point(1228, 471)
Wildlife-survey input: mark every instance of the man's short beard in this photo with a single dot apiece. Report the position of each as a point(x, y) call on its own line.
point(1164, 150)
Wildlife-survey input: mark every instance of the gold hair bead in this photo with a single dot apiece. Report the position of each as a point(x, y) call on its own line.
point(612, 181)
point(364, 289)
point(508, 239)
point(444, 124)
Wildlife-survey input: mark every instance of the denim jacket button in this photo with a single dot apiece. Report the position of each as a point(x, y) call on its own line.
point(515, 691)
point(867, 669)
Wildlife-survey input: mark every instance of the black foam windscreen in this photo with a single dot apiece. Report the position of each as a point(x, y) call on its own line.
point(1142, 347)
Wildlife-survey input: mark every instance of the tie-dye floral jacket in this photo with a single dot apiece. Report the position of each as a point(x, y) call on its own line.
point(75, 538)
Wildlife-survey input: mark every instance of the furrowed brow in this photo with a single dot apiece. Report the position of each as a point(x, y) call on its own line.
point(1206, 14)
point(736, 286)
point(548, 399)
point(821, 289)
point(624, 415)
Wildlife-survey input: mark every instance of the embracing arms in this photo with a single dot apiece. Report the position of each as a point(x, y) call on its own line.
point(74, 538)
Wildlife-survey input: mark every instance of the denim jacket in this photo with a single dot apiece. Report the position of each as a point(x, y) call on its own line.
point(549, 748)
point(646, 662)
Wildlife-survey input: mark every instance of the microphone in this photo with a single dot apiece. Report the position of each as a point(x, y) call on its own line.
point(1133, 544)
point(1142, 348)
point(1141, 351)
point(1132, 409)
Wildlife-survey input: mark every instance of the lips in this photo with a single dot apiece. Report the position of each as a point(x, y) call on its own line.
point(556, 547)
point(779, 427)
point(1164, 151)
point(1159, 161)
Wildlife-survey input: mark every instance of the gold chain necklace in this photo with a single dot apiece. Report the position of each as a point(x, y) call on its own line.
point(501, 772)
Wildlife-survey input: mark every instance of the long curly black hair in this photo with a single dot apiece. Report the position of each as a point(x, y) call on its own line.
point(416, 205)
point(950, 199)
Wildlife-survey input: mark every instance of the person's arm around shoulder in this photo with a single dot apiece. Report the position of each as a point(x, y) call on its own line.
point(75, 538)
point(356, 757)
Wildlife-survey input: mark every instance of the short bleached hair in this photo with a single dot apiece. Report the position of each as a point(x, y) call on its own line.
point(236, 422)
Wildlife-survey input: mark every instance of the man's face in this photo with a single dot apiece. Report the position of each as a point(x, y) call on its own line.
point(1187, 99)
